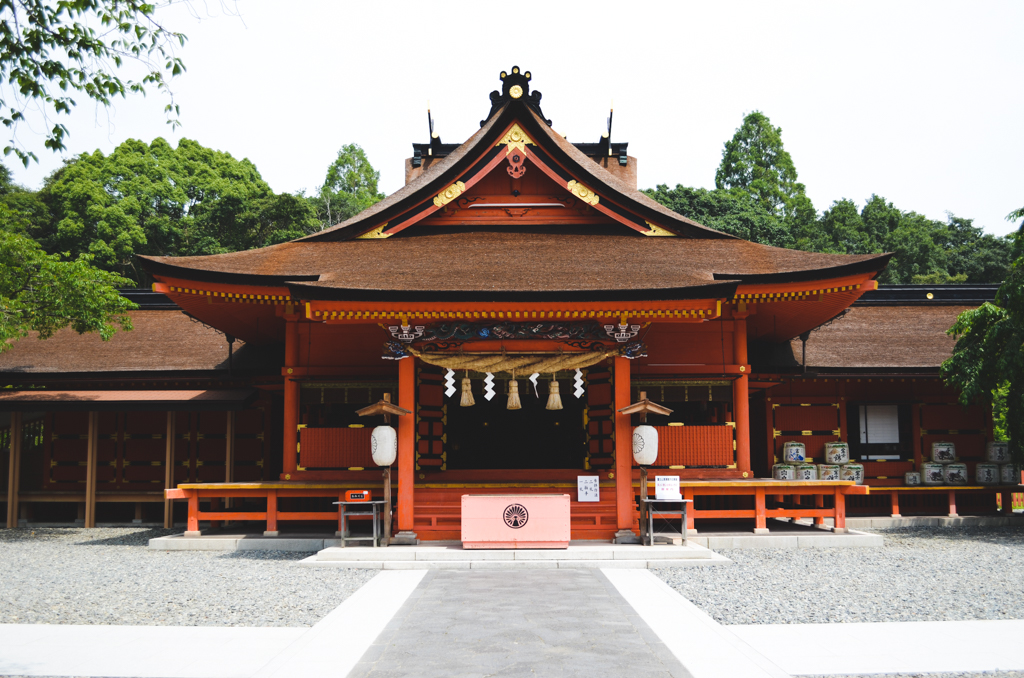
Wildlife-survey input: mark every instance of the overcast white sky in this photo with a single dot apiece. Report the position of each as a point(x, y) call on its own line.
point(920, 102)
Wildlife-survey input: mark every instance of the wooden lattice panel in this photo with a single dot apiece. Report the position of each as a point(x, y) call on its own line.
point(335, 448)
point(700, 446)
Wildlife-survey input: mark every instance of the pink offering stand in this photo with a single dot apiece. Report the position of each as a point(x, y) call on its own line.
point(515, 521)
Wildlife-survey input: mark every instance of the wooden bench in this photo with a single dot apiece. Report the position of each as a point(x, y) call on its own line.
point(1006, 491)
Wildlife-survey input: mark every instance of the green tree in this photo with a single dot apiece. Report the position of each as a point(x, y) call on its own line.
point(349, 187)
point(734, 212)
point(755, 161)
point(159, 200)
point(52, 51)
point(21, 210)
point(41, 293)
point(988, 358)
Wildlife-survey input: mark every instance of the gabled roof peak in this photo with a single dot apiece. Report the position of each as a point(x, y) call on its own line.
point(515, 85)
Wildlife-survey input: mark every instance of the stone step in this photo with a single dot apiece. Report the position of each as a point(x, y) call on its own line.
point(313, 561)
point(604, 553)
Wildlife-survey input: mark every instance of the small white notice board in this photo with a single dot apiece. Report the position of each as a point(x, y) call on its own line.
point(666, 487)
point(588, 488)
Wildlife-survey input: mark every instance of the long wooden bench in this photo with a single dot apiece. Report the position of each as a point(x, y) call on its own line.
point(1005, 491)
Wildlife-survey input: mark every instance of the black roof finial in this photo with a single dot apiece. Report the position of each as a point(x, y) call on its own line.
point(515, 86)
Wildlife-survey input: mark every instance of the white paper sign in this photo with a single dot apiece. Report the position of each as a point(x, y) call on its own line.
point(666, 487)
point(588, 488)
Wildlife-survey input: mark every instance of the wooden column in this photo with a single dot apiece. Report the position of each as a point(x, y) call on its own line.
point(840, 518)
point(895, 504)
point(14, 470)
point(91, 464)
point(229, 453)
point(760, 514)
point(291, 397)
point(741, 397)
point(624, 498)
point(271, 530)
point(915, 434)
point(169, 470)
point(406, 451)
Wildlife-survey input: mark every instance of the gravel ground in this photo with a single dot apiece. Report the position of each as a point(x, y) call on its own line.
point(920, 574)
point(108, 576)
point(983, 674)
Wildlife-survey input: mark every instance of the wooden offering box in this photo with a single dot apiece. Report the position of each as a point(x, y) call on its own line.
point(515, 521)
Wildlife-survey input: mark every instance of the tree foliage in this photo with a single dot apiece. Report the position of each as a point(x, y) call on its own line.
point(51, 52)
point(755, 162)
point(349, 187)
point(41, 293)
point(734, 212)
point(989, 354)
point(159, 200)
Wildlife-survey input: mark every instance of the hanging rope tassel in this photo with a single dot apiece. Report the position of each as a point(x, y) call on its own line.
point(513, 394)
point(467, 392)
point(554, 399)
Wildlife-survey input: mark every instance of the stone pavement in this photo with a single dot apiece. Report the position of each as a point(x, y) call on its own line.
point(517, 623)
point(573, 622)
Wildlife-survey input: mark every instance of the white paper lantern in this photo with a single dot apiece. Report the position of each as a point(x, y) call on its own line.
point(384, 445)
point(645, 445)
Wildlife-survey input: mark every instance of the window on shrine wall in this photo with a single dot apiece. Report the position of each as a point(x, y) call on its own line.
point(692, 402)
point(883, 431)
point(334, 404)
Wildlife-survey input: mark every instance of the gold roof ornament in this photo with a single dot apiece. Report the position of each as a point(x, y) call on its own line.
point(582, 192)
point(449, 194)
point(515, 138)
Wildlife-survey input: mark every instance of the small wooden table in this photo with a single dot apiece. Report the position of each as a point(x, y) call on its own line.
point(375, 507)
point(650, 508)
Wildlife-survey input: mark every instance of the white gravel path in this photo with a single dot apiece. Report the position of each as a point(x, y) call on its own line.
point(983, 674)
point(920, 574)
point(109, 576)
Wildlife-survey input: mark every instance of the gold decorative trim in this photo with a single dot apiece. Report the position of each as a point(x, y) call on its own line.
point(515, 137)
point(658, 230)
point(582, 192)
point(449, 194)
point(515, 91)
point(375, 233)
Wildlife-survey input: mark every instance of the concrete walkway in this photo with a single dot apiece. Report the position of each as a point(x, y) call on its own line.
point(579, 622)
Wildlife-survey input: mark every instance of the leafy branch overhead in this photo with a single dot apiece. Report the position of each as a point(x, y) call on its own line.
point(40, 293)
point(50, 52)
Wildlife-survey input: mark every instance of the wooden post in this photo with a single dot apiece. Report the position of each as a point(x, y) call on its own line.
point(760, 517)
point(819, 502)
point(14, 470)
point(952, 504)
point(91, 464)
point(406, 451)
point(895, 499)
point(229, 454)
point(1007, 500)
point(291, 397)
point(741, 397)
point(915, 435)
point(624, 498)
point(271, 530)
point(192, 529)
point(386, 539)
point(169, 470)
point(840, 518)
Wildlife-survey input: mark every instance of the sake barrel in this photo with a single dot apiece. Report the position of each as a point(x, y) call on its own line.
point(986, 474)
point(794, 453)
point(806, 472)
point(955, 474)
point(998, 452)
point(784, 472)
point(931, 474)
point(854, 472)
point(943, 453)
point(828, 471)
point(1009, 474)
point(837, 453)
point(911, 478)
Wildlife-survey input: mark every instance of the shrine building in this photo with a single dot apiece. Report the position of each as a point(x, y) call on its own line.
point(510, 310)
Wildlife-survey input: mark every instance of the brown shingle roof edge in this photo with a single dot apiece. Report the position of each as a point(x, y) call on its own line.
point(122, 401)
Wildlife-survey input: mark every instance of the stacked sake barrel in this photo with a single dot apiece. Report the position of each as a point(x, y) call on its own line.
point(836, 464)
point(997, 469)
point(943, 469)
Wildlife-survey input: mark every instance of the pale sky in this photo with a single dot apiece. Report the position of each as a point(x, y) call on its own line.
point(920, 102)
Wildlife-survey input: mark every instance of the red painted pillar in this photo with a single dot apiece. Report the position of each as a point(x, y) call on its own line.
point(624, 499)
point(406, 446)
point(760, 514)
point(741, 397)
point(291, 397)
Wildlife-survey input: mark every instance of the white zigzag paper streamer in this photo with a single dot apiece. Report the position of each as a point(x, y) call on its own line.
point(449, 383)
point(489, 386)
point(578, 382)
point(533, 380)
